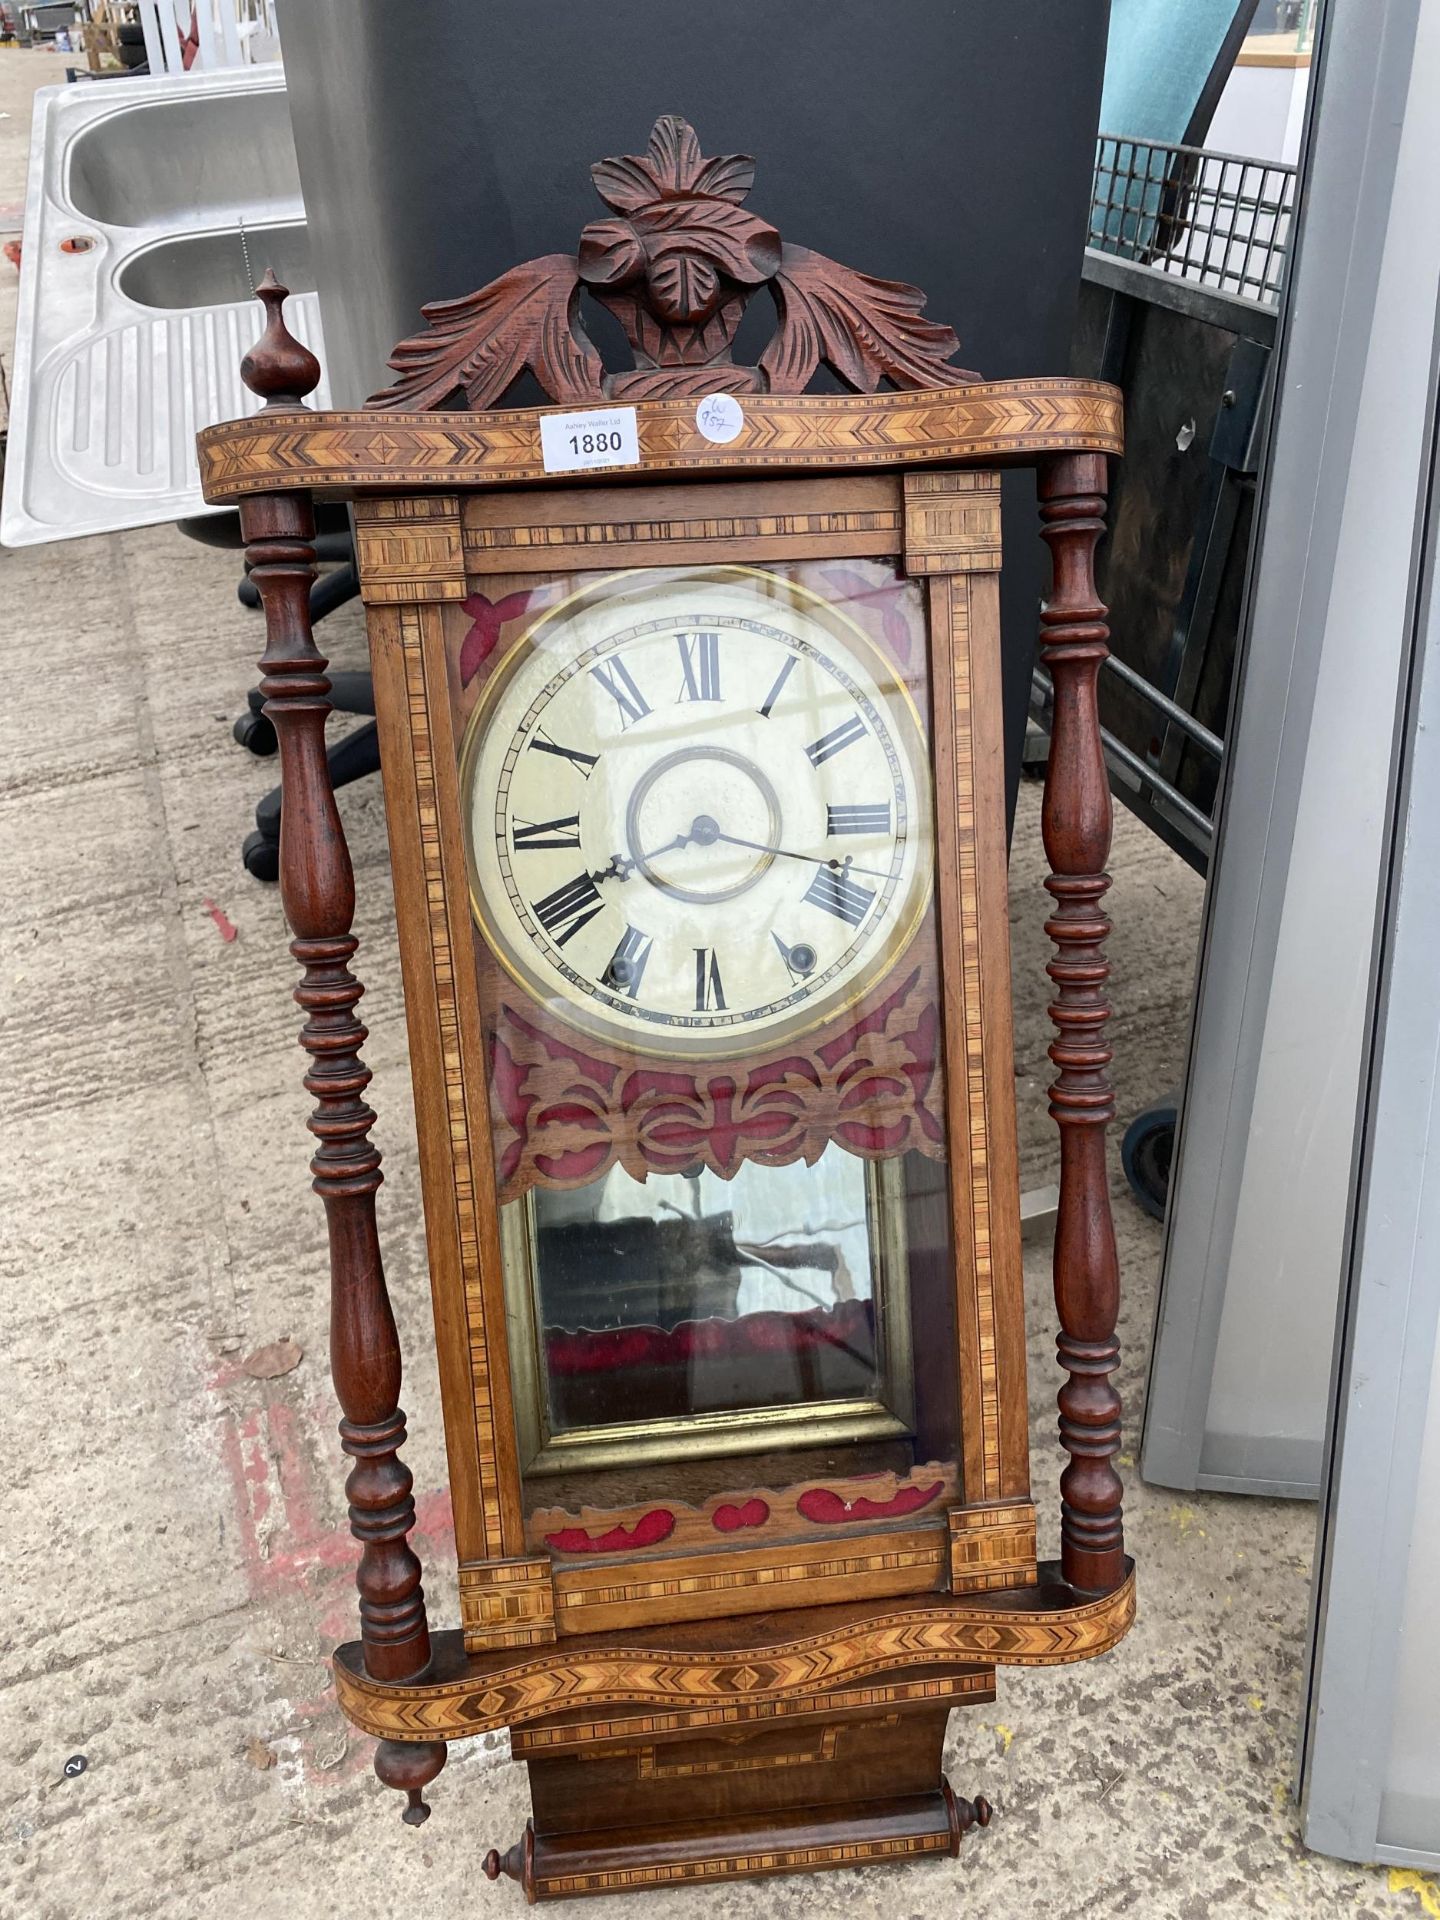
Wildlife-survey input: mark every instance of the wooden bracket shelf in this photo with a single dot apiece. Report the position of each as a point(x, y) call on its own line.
point(718, 1664)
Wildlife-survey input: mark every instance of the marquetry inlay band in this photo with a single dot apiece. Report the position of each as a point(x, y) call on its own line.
point(802, 528)
point(410, 550)
point(731, 1866)
point(992, 1547)
point(975, 1686)
point(987, 423)
point(649, 1767)
point(952, 523)
point(981, 1276)
point(443, 966)
point(508, 1603)
point(596, 1673)
point(664, 1585)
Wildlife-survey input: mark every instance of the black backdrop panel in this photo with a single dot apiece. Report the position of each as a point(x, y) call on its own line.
point(944, 142)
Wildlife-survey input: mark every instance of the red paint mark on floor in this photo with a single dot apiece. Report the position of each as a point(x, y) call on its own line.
point(287, 1545)
point(284, 1541)
point(228, 930)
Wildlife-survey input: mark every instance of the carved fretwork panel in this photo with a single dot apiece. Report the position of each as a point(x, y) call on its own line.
point(568, 1111)
point(677, 261)
point(807, 1509)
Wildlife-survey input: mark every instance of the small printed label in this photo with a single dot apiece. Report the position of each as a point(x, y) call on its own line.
point(598, 437)
point(720, 417)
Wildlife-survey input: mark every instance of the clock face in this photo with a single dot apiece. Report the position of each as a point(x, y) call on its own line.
point(697, 810)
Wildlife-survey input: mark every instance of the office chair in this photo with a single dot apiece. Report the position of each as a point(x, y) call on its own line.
point(351, 757)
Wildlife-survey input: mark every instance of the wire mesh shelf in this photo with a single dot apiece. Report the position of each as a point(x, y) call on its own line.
point(1218, 219)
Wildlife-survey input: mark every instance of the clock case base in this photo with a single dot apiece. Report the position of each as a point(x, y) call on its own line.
point(815, 1833)
point(753, 1745)
point(724, 1802)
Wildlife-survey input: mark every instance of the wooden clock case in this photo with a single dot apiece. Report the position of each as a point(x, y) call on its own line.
point(716, 1703)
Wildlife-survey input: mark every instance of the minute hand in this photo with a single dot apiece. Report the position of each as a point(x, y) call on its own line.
point(814, 859)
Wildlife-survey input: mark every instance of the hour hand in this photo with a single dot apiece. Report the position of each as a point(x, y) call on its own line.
point(621, 867)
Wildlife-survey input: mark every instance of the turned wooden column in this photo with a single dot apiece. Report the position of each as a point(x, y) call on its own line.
point(317, 887)
point(1077, 823)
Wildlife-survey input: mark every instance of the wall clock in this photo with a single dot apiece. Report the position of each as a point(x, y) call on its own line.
point(689, 704)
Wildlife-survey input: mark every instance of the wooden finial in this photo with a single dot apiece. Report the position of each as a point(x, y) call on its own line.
point(964, 1814)
point(410, 1766)
point(278, 367)
point(516, 1863)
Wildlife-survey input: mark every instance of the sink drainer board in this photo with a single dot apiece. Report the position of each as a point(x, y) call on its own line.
point(135, 304)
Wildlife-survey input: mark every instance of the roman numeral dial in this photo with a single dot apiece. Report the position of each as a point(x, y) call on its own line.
point(697, 812)
point(839, 893)
point(619, 683)
point(857, 819)
point(625, 969)
point(709, 989)
point(541, 742)
point(547, 836)
point(836, 741)
point(700, 665)
point(569, 908)
point(779, 686)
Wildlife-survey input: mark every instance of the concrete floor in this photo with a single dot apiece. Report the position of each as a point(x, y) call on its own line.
point(177, 1561)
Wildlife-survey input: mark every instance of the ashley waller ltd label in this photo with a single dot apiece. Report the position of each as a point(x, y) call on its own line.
point(594, 437)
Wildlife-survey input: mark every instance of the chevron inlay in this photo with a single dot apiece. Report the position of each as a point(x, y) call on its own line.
point(482, 1693)
point(992, 422)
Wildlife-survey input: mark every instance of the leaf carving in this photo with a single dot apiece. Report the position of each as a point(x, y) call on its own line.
point(866, 329)
point(674, 383)
point(729, 176)
point(624, 183)
point(673, 154)
point(684, 285)
point(610, 253)
point(746, 248)
point(671, 168)
point(675, 261)
point(529, 317)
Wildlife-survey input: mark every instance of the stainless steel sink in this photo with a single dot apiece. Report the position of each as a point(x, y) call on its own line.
point(209, 269)
point(194, 152)
point(143, 199)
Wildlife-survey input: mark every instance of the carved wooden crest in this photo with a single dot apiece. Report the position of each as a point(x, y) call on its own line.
point(677, 264)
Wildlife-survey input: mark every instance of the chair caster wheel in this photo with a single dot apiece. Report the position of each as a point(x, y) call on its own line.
point(261, 857)
point(248, 594)
point(256, 734)
point(1146, 1153)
